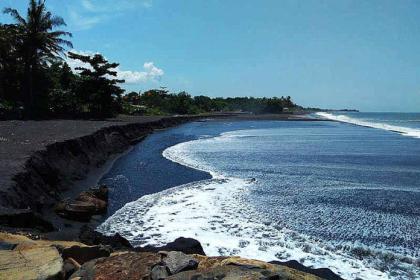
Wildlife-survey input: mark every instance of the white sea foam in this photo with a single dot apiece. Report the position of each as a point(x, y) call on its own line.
point(412, 132)
point(217, 213)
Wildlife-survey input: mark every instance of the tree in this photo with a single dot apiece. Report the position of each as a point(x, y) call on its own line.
point(40, 44)
point(204, 103)
point(182, 103)
point(96, 87)
point(61, 83)
point(10, 62)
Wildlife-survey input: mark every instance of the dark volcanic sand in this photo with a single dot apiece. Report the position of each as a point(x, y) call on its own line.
point(19, 139)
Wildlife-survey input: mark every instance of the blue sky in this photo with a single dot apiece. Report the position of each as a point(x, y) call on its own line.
point(330, 54)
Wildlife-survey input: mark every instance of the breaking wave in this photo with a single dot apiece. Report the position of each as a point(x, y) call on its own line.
point(407, 131)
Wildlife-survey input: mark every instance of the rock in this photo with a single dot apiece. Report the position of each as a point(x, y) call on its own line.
point(76, 210)
point(227, 272)
point(82, 254)
point(324, 273)
point(185, 245)
point(91, 237)
point(87, 203)
point(159, 272)
point(101, 192)
point(100, 205)
point(31, 263)
point(178, 261)
point(21, 242)
point(208, 264)
point(23, 218)
point(70, 266)
point(123, 266)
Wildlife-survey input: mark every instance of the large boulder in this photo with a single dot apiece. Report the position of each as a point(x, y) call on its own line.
point(121, 266)
point(82, 254)
point(76, 210)
point(181, 244)
point(178, 261)
point(23, 218)
point(79, 252)
point(87, 203)
point(39, 262)
point(89, 236)
point(88, 197)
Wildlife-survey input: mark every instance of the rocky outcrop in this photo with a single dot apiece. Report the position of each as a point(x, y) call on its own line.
point(78, 251)
point(31, 263)
point(49, 172)
point(45, 259)
point(24, 258)
point(85, 205)
point(177, 265)
point(123, 266)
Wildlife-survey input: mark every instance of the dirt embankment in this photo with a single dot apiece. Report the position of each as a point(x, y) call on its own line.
point(41, 160)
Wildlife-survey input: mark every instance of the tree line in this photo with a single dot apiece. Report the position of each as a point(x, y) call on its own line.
point(161, 101)
point(36, 81)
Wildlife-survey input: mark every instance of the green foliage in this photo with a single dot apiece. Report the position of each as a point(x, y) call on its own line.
point(36, 44)
point(95, 88)
point(10, 64)
point(163, 102)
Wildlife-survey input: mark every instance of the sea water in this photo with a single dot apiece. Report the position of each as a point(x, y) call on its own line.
point(328, 194)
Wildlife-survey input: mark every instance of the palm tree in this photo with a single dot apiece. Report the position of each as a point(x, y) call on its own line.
point(40, 44)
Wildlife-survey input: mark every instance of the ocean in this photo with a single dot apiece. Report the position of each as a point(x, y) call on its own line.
point(342, 194)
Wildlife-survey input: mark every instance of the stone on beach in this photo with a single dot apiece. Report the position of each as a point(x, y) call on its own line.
point(86, 204)
point(100, 205)
point(181, 244)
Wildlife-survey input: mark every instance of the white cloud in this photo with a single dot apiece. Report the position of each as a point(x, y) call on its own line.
point(149, 73)
point(84, 14)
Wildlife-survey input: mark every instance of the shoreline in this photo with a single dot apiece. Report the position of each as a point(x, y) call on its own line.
point(65, 157)
point(69, 230)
